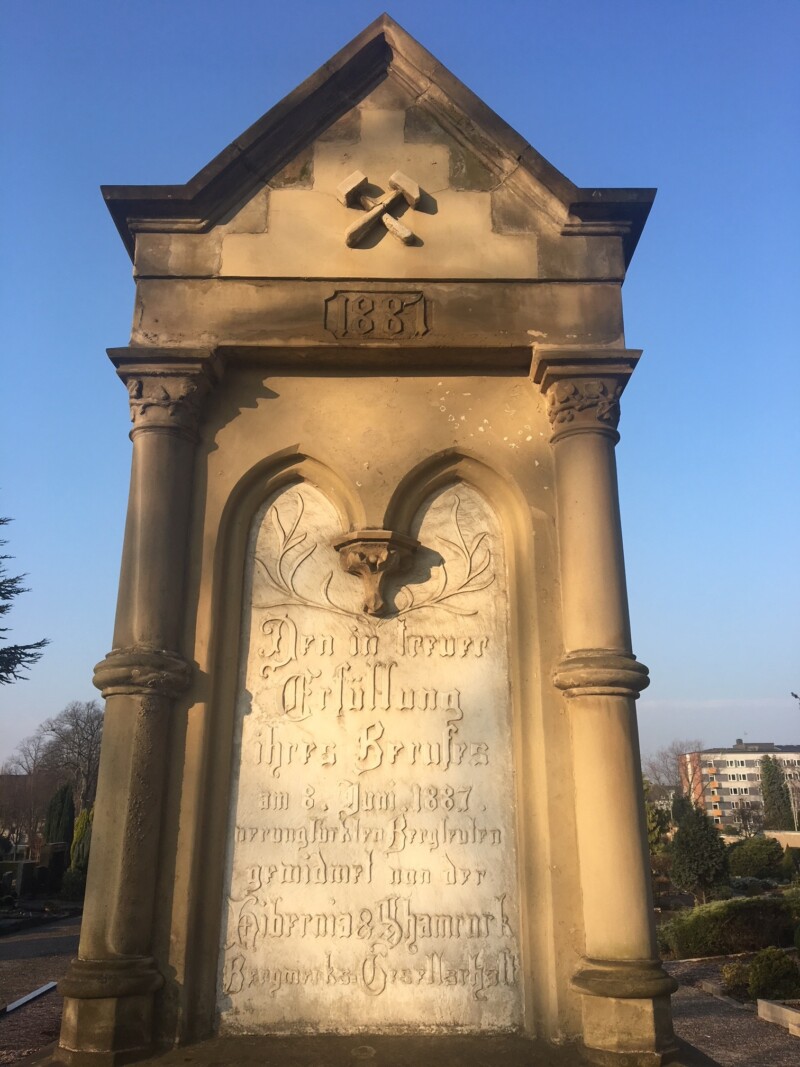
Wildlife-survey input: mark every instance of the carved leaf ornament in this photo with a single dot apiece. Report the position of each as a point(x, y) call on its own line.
point(465, 568)
point(568, 399)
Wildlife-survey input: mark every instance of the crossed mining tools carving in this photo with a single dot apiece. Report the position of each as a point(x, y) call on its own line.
point(352, 193)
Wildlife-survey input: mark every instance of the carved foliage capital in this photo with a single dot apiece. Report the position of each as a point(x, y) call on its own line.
point(166, 401)
point(372, 555)
point(583, 386)
point(584, 402)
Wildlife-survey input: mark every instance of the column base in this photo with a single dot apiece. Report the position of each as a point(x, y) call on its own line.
point(627, 1020)
point(108, 1012)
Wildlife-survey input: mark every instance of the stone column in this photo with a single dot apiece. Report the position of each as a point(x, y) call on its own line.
point(109, 989)
point(625, 989)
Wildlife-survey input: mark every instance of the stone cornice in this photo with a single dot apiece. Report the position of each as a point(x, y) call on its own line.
point(140, 671)
point(601, 672)
point(582, 386)
point(166, 387)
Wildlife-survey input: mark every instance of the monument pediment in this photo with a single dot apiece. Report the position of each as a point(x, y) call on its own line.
point(483, 202)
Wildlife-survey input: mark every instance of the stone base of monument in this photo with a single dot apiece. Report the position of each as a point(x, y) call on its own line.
point(373, 1050)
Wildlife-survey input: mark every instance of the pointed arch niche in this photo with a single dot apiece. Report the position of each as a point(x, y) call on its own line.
point(385, 775)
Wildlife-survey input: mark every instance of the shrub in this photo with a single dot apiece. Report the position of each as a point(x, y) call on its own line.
point(735, 978)
point(722, 892)
point(792, 899)
point(790, 864)
point(726, 926)
point(756, 857)
point(797, 939)
point(773, 974)
point(73, 886)
point(749, 887)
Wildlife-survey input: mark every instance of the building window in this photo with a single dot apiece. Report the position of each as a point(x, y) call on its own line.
point(717, 821)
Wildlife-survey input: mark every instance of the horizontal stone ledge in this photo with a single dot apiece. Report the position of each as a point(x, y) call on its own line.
point(137, 671)
point(601, 672)
point(623, 979)
point(128, 976)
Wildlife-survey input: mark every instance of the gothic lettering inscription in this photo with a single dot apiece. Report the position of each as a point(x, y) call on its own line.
point(371, 874)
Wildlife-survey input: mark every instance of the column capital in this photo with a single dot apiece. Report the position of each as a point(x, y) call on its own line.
point(166, 386)
point(582, 386)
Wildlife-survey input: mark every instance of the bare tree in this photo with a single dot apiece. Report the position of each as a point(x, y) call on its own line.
point(749, 819)
point(72, 747)
point(25, 789)
point(669, 769)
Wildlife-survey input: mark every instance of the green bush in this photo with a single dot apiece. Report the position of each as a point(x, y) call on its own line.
point(773, 975)
point(727, 926)
point(73, 886)
point(792, 898)
point(735, 978)
point(722, 892)
point(756, 857)
point(750, 887)
point(797, 939)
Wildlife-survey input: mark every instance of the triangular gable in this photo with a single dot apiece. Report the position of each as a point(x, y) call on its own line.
point(383, 63)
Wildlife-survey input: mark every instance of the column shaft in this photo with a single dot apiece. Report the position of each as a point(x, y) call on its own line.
point(109, 989)
point(625, 1007)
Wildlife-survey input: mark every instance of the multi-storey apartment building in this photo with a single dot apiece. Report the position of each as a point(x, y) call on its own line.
point(726, 782)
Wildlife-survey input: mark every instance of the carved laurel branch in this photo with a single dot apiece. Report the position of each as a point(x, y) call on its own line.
point(472, 566)
point(293, 551)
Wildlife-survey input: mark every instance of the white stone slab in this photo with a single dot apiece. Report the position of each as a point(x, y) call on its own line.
point(371, 868)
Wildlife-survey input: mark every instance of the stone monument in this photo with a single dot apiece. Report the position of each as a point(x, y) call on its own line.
point(370, 762)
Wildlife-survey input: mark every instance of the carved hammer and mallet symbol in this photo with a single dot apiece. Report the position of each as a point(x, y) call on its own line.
point(352, 193)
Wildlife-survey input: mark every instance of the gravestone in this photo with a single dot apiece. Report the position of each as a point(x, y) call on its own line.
point(370, 761)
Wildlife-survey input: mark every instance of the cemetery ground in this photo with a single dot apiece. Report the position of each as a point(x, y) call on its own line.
point(724, 1034)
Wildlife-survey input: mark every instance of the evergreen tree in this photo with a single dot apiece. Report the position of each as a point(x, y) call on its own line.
point(775, 792)
point(699, 856)
point(681, 808)
point(658, 820)
point(60, 822)
point(79, 853)
point(14, 659)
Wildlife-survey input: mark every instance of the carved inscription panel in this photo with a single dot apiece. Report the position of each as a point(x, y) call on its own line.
point(371, 878)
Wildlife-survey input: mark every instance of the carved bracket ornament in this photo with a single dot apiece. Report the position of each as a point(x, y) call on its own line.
point(465, 568)
point(372, 555)
point(352, 192)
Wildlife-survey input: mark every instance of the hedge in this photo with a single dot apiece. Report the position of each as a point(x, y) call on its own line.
point(727, 926)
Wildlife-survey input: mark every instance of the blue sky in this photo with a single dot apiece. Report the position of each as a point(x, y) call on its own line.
point(698, 98)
